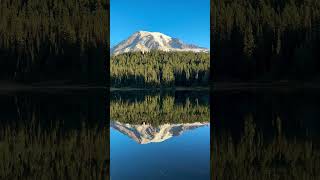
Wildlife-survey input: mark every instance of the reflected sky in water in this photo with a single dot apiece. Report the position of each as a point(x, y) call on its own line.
point(186, 156)
point(160, 136)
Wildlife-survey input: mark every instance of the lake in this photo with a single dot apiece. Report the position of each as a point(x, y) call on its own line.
point(266, 134)
point(255, 134)
point(56, 134)
point(160, 135)
point(68, 134)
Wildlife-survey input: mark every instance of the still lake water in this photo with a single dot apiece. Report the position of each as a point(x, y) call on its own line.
point(266, 134)
point(160, 136)
point(67, 135)
point(262, 134)
point(54, 135)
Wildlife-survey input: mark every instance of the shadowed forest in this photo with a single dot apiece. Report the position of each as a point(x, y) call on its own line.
point(160, 69)
point(265, 40)
point(54, 40)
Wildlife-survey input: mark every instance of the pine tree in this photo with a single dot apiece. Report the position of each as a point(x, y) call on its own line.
point(249, 43)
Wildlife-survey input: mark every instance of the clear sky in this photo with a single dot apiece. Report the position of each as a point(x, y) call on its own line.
point(188, 20)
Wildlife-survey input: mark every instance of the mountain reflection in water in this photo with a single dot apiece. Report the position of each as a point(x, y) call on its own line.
point(173, 128)
point(147, 133)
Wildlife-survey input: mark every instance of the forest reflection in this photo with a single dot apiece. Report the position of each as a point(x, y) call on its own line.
point(54, 136)
point(155, 108)
point(265, 135)
point(155, 117)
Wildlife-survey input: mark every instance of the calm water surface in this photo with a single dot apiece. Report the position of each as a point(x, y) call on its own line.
point(54, 135)
point(265, 134)
point(160, 136)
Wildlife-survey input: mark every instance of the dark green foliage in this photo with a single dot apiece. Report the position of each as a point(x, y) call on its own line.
point(257, 40)
point(253, 157)
point(54, 40)
point(48, 135)
point(26, 153)
point(158, 110)
point(160, 69)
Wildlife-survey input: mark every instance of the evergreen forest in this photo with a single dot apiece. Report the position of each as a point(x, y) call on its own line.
point(265, 40)
point(160, 69)
point(158, 110)
point(54, 40)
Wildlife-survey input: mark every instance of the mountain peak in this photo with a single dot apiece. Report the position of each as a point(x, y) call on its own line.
point(146, 133)
point(145, 41)
point(146, 32)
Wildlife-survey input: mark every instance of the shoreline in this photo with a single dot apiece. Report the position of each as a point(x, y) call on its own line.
point(222, 86)
point(217, 86)
point(12, 86)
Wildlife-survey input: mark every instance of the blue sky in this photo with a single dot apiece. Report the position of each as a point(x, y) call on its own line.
point(188, 20)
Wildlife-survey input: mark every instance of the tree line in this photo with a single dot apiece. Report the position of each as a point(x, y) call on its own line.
point(160, 69)
point(54, 40)
point(265, 40)
point(157, 110)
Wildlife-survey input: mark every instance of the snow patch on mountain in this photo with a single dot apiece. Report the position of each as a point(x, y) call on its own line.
point(146, 133)
point(145, 41)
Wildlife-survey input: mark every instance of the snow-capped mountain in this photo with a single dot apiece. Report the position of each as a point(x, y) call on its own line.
point(145, 41)
point(146, 133)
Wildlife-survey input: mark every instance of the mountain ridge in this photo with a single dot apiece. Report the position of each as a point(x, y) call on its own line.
point(147, 133)
point(145, 41)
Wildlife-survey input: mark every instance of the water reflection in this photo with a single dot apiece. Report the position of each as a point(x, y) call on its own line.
point(164, 135)
point(266, 135)
point(147, 133)
point(54, 135)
